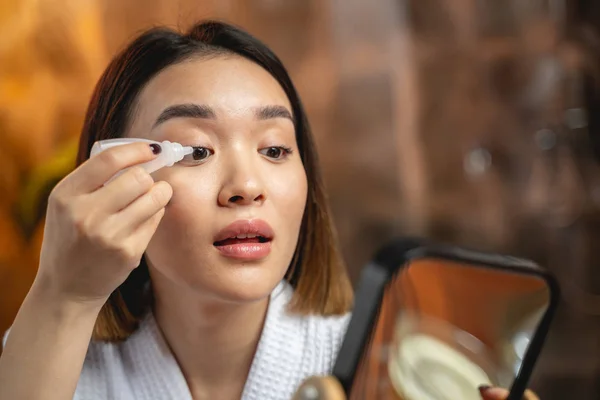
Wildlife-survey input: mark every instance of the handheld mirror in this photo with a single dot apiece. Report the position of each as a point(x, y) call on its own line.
point(434, 322)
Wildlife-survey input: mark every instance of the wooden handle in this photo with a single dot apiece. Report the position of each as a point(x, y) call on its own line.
point(320, 388)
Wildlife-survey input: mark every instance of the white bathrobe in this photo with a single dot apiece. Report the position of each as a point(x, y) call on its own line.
point(291, 348)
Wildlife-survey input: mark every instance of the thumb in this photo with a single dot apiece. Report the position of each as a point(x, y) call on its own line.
point(492, 393)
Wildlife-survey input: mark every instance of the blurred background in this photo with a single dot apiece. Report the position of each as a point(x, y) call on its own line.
point(469, 121)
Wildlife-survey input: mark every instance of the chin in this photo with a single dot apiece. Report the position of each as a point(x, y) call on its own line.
point(206, 274)
point(244, 285)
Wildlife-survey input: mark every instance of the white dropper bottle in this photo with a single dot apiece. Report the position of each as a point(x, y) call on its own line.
point(171, 153)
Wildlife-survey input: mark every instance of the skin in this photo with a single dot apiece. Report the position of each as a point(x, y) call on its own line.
point(96, 235)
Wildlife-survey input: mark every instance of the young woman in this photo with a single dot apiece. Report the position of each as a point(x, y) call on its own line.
point(240, 290)
point(217, 278)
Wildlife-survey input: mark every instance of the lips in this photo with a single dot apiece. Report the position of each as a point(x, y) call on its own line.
point(245, 239)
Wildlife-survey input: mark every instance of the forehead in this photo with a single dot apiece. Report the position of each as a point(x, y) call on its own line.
point(231, 85)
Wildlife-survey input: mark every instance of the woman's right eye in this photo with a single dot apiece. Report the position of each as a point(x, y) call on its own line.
point(198, 156)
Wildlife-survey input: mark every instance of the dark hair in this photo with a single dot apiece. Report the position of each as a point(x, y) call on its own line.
point(317, 272)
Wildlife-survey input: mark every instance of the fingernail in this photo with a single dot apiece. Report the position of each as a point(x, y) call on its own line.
point(484, 388)
point(156, 149)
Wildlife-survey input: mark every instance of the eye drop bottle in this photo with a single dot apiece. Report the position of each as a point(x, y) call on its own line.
point(171, 152)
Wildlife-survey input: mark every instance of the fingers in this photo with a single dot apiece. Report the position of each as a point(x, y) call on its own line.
point(142, 209)
point(529, 395)
point(123, 190)
point(96, 171)
point(494, 393)
point(143, 234)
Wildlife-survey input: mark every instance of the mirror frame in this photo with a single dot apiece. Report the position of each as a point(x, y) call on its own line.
point(395, 256)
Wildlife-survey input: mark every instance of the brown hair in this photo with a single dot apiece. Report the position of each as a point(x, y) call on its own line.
point(317, 272)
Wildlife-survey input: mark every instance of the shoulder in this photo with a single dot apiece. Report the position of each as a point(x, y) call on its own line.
point(104, 373)
point(328, 328)
point(313, 326)
point(325, 336)
point(305, 338)
point(142, 367)
point(292, 348)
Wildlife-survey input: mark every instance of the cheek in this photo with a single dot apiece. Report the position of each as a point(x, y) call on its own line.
point(190, 207)
point(289, 194)
point(190, 189)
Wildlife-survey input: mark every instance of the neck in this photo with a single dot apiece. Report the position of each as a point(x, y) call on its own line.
point(213, 341)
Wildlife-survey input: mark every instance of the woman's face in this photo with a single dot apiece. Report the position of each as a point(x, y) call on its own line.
point(231, 227)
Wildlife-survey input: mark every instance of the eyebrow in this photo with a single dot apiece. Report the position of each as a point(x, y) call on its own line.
point(185, 111)
point(206, 112)
point(270, 112)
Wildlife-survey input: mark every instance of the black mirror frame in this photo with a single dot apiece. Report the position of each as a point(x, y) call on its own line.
point(390, 260)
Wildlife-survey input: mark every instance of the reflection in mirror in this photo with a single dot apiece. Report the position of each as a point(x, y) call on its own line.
point(446, 328)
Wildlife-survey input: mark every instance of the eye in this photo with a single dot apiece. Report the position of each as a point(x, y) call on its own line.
point(198, 156)
point(276, 152)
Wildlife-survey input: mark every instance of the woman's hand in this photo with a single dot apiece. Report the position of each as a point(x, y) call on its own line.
point(95, 235)
point(494, 393)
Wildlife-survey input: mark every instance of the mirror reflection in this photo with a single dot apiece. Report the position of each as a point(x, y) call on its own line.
point(445, 328)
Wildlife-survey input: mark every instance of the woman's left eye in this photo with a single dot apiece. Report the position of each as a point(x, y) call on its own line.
point(276, 152)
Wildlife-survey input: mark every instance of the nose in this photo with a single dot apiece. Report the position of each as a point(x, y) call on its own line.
point(243, 188)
